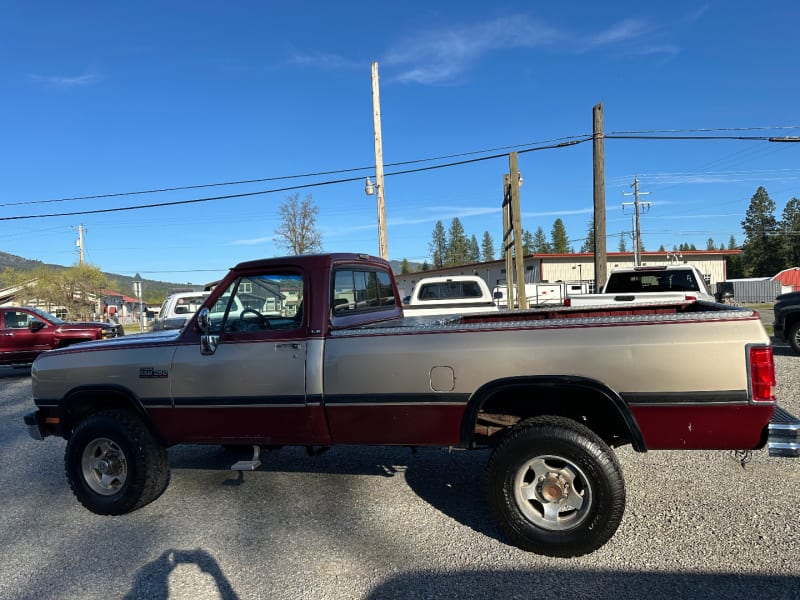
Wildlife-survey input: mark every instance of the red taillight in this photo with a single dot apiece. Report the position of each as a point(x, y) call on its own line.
point(691, 298)
point(567, 301)
point(762, 374)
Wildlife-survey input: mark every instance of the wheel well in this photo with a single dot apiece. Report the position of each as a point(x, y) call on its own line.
point(503, 404)
point(81, 403)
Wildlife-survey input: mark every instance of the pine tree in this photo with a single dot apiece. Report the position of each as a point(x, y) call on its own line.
point(540, 245)
point(558, 237)
point(438, 245)
point(527, 243)
point(405, 267)
point(474, 251)
point(457, 244)
point(763, 250)
point(790, 228)
point(623, 247)
point(487, 247)
point(588, 243)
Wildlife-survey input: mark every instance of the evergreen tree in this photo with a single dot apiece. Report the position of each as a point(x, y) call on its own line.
point(623, 247)
point(527, 243)
point(540, 245)
point(764, 253)
point(438, 246)
point(474, 251)
point(661, 248)
point(790, 228)
point(457, 244)
point(558, 237)
point(487, 247)
point(425, 266)
point(588, 243)
point(733, 264)
point(405, 268)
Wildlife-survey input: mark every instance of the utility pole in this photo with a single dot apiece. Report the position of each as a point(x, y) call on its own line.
point(512, 233)
point(81, 250)
point(637, 233)
point(600, 255)
point(376, 117)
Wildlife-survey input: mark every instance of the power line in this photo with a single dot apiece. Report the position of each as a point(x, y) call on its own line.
point(296, 176)
point(284, 189)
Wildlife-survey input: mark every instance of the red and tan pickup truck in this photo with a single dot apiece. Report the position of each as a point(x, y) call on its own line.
point(316, 351)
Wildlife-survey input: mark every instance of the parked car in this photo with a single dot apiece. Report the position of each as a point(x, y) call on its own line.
point(26, 332)
point(177, 309)
point(787, 319)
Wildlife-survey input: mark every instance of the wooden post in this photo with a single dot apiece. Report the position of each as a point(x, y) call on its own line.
point(508, 241)
point(376, 116)
point(600, 255)
point(516, 222)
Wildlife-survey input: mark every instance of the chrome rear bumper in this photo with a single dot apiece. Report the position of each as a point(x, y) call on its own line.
point(784, 434)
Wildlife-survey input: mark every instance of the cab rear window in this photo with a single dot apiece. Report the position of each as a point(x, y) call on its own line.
point(360, 290)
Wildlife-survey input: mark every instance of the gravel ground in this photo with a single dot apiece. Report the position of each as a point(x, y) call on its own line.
point(389, 523)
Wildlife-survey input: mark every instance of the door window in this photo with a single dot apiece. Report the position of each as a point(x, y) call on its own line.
point(259, 303)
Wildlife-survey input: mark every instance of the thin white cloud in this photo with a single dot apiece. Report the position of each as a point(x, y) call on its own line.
point(253, 241)
point(623, 31)
point(436, 56)
point(57, 81)
point(442, 55)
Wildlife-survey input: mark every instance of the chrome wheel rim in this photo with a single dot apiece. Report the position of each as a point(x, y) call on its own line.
point(552, 492)
point(104, 466)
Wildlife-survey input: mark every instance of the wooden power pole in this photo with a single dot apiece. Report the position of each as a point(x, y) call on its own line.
point(376, 117)
point(600, 254)
point(512, 234)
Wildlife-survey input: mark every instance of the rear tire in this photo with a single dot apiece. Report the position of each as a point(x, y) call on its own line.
point(114, 464)
point(555, 487)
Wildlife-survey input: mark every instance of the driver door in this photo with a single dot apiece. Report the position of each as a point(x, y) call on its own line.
point(252, 387)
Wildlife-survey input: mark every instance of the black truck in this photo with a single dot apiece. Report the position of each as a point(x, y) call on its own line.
point(787, 319)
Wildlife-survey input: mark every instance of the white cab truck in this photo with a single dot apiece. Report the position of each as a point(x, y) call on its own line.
point(536, 294)
point(177, 309)
point(648, 284)
point(457, 294)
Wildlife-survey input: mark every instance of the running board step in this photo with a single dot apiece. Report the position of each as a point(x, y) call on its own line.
point(249, 465)
point(784, 434)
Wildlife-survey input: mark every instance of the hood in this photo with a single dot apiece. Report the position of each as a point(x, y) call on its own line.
point(135, 339)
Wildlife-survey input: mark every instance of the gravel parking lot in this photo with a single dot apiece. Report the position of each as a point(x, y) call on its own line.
point(389, 523)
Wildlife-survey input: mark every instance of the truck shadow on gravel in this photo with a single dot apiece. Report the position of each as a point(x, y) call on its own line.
point(577, 583)
point(452, 482)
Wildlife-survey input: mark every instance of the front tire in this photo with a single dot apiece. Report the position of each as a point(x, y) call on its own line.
point(114, 464)
point(794, 337)
point(555, 487)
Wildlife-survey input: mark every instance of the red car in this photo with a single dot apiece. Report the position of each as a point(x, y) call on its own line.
point(26, 332)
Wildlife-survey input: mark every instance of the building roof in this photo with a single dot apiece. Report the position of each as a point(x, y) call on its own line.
point(789, 277)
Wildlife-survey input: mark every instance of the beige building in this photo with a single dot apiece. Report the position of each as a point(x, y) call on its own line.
point(577, 268)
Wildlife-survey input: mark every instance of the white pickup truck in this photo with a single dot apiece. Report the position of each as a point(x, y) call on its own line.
point(457, 294)
point(649, 284)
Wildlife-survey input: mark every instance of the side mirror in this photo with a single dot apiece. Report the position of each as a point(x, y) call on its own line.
point(35, 325)
point(208, 341)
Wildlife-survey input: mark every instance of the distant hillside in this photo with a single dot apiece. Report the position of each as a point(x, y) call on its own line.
point(153, 290)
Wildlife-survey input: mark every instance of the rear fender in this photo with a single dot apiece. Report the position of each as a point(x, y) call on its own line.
point(549, 386)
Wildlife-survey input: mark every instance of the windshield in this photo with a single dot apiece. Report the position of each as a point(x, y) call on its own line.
point(47, 316)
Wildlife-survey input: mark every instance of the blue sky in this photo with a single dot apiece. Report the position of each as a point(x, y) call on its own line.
point(108, 98)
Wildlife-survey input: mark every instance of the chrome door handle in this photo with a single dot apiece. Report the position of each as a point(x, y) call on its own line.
point(290, 346)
